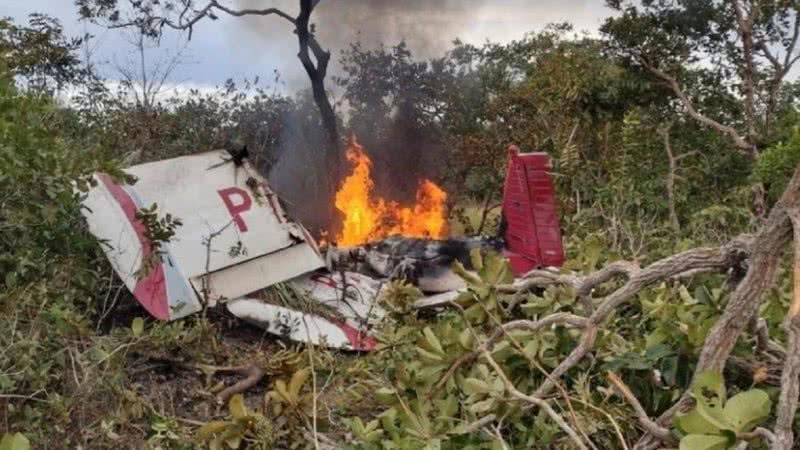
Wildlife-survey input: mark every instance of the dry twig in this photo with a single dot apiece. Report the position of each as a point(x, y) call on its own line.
point(536, 401)
point(644, 419)
point(253, 374)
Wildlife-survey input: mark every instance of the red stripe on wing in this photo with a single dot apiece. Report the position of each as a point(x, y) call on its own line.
point(151, 290)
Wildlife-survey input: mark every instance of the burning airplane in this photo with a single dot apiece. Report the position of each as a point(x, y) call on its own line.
point(238, 247)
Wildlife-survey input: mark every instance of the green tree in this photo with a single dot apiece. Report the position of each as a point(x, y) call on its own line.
point(725, 62)
point(40, 55)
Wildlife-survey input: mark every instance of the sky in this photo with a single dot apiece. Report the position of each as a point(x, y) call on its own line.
point(236, 48)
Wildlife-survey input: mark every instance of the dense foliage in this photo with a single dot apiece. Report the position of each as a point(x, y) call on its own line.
point(637, 177)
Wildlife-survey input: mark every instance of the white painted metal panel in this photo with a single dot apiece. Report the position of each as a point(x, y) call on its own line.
point(192, 189)
point(299, 326)
point(250, 276)
point(233, 227)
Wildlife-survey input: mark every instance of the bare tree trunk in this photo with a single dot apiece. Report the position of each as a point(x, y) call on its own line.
point(670, 182)
point(768, 246)
point(745, 30)
point(316, 73)
point(333, 160)
point(787, 403)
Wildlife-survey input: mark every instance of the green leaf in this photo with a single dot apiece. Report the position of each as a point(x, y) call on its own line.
point(694, 423)
point(686, 296)
point(237, 407)
point(386, 395)
point(459, 270)
point(283, 392)
point(433, 341)
point(476, 259)
point(746, 410)
point(496, 270)
point(448, 407)
point(430, 356)
point(713, 413)
point(476, 386)
point(709, 381)
point(709, 392)
point(481, 406)
point(466, 339)
point(367, 433)
point(211, 429)
point(475, 313)
point(704, 442)
point(137, 327)
point(593, 248)
point(16, 441)
point(357, 425)
point(298, 380)
point(657, 352)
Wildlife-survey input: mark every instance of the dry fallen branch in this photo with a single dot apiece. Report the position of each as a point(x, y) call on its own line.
point(553, 319)
point(253, 374)
point(767, 248)
point(536, 401)
point(692, 262)
point(790, 378)
point(699, 259)
point(644, 420)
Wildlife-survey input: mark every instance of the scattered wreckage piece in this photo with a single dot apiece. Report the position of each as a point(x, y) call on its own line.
point(234, 239)
point(299, 326)
point(338, 310)
point(353, 295)
point(530, 224)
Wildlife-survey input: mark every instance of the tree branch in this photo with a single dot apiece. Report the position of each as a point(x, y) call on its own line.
point(745, 31)
point(766, 250)
point(207, 11)
point(740, 142)
point(536, 401)
point(553, 319)
point(645, 420)
point(253, 12)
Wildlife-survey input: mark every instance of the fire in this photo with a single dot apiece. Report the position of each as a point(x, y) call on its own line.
point(368, 217)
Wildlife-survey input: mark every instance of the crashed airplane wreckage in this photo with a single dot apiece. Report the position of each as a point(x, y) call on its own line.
point(237, 246)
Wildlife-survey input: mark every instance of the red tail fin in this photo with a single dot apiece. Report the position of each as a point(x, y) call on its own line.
point(532, 233)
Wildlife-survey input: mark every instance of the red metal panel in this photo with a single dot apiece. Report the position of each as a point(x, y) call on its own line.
point(533, 235)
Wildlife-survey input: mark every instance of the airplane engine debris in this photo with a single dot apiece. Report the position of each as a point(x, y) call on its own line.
point(236, 246)
point(426, 263)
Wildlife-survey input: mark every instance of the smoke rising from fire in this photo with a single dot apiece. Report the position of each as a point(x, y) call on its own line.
point(404, 156)
point(427, 26)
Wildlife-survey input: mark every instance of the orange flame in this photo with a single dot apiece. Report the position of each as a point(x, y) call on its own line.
point(368, 218)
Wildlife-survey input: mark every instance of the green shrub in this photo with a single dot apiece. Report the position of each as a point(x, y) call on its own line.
point(50, 266)
point(777, 164)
